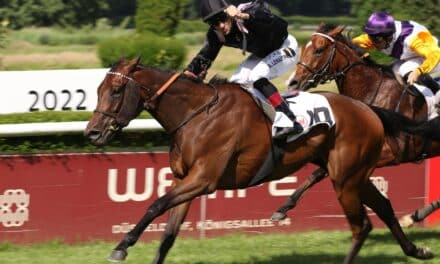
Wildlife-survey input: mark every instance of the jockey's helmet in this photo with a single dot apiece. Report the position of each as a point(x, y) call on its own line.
point(380, 23)
point(210, 9)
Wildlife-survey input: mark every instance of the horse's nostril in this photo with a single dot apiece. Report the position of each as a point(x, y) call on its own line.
point(92, 134)
point(293, 85)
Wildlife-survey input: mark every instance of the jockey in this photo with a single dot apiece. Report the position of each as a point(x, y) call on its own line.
point(253, 28)
point(409, 42)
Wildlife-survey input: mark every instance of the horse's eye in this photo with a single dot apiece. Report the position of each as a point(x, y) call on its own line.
point(319, 51)
point(116, 92)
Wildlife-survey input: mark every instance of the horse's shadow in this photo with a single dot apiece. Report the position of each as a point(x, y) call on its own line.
point(324, 258)
point(414, 235)
point(365, 257)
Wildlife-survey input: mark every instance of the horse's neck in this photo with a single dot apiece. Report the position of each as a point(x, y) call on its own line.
point(367, 84)
point(180, 102)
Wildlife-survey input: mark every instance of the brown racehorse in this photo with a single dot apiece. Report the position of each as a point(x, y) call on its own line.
point(220, 138)
point(329, 55)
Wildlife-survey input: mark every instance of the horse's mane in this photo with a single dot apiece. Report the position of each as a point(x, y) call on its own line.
point(346, 39)
point(218, 80)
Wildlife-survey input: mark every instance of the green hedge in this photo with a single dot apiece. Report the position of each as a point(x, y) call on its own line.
point(52, 116)
point(139, 141)
point(189, 26)
point(126, 141)
point(155, 51)
point(298, 21)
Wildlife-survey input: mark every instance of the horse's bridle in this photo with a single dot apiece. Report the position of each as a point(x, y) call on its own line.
point(322, 75)
point(116, 116)
point(150, 100)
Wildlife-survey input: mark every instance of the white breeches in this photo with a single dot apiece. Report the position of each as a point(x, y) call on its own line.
point(273, 65)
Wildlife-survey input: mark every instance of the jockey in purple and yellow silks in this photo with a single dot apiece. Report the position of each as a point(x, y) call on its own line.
point(414, 47)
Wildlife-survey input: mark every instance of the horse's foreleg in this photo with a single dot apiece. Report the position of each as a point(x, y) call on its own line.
point(348, 196)
point(382, 207)
point(185, 191)
point(293, 199)
point(175, 219)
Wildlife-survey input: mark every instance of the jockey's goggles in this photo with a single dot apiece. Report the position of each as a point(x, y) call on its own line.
point(381, 37)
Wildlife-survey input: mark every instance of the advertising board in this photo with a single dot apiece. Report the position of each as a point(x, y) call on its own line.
point(60, 90)
point(81, 197)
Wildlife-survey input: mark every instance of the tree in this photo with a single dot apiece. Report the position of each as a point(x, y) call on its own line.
point(120, 10)
point(159, 16)
point(288, 8)
point(422, 11)
point(2, 35)
point(21, 13)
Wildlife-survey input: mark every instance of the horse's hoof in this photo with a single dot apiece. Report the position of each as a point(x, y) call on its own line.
point(424, 253)
point(406, 221)
point(117, 256)
point(278, 216)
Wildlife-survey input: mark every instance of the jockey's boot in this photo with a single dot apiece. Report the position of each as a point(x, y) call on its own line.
point(282, 132)
point(271, 93)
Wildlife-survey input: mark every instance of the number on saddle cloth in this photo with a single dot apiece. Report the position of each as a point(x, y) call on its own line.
point(310, 110)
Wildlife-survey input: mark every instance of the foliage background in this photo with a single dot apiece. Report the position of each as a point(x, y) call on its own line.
point(56, 34)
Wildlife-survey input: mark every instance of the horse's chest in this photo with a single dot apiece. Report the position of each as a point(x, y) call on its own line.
point(176, 162)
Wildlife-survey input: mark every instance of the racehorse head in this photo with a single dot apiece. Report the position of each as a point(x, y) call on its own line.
point(128, 88)
point(119, 101)
point(325, 57)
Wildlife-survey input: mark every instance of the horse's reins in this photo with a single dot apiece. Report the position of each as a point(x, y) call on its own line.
point(165, 86)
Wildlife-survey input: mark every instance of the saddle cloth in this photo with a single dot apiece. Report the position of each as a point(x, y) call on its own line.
point(310, 109)
point(430, 100)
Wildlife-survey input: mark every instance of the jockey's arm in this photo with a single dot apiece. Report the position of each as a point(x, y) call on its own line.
point(364, 42)
point(425, 46)
point(203, 60)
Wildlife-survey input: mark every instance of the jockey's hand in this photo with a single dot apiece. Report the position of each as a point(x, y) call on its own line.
point(413, 76)
point(202, 74)
point(232, 11)
point(190, 74)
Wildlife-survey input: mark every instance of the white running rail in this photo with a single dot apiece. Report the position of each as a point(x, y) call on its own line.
point(53, 128)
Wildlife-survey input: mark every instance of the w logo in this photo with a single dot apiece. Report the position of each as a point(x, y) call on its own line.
point(130, 188)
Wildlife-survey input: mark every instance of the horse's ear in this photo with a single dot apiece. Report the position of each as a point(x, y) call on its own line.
point(121, 59)
point(137, 60)
point(321, 25)
point(338, 30)
point(133, 63)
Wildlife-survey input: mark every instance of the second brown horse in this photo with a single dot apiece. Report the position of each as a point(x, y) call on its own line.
point(329, 55)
